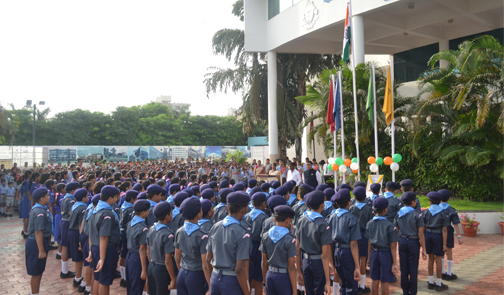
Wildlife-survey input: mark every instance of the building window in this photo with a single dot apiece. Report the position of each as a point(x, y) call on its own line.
point(411, 64)
point(497, 34)
point(277, 6)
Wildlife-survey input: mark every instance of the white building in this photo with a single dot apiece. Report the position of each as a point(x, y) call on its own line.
point(166, 100)
point(409, 30)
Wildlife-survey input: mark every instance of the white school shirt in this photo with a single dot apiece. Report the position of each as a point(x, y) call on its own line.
point(294, 175)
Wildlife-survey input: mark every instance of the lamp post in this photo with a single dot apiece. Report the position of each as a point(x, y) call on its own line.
point(29, 104)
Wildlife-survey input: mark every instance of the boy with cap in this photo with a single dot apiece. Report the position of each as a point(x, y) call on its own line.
point(407, 186)
point(252, 192)
point(208, 194)
point(272, 202)
point(394, 203)
point(314, 247)
point(190, 251)
point(265, 187)
point(364, 213)
point(274, 185)
point(300, 206)
point(284, 192)
point(136, 259)
point(177, 218)
point(154, 193)
point(39, 237)
point(66, 208)
point(436, 234)
point(450, 243)
point(228, 249)
point(206, 222)
point(104, 238)
point(375, 193)
point(255, 219)
point(196, 191)
point(220, 210)
point(292, 193)
point(174, 189)
point(383, 238)
point(328, 205)
point(345, 232)
point(126, 216)
point(160, 247)
point(251, 184)
point(84, 242)
point(411, 230)
point(278, 249)
point(75, 226)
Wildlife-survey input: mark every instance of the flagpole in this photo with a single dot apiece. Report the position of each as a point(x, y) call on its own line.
point(354, 91)
point(335, 138)
point(392, 126)
point(341, 118)
point(374, 107)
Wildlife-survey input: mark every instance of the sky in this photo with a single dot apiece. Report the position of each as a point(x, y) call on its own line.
point(98, 55)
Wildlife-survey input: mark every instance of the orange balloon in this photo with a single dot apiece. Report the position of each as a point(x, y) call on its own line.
point(335, 167)
point(348, 162)
point(388, 160)
point(371, 160)
point(355, 171)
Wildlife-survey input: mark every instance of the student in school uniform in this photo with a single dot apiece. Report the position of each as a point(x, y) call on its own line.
point(284, 192)
point(177, 218)
point(436, 234)
point(228, 249)
point(301, 207)
point(138, 187)
point(74, 228)
point(136, 259)
point(174, 189)
point(265, 187)
point(345, 232)
point(84, 242)
point(154, 193)
point(104, 238)
point(127, 213)
point(220, 211)
point(383, 238)
point(272, 202)
point(394, 203)
point(407, 186)
point(206, 222)
point(66, 209)
point(196, 191)
point(328, 204)
point(292, 193)
point(251, 184)
point(375, 190)
point(274, 185)
point(208, 194)
point(314, 247)
point(160, 245)
point(411, 231)
point(39, 237)
point(190, 251)
point(278, 248)
point(255, 219)
point(450, 243)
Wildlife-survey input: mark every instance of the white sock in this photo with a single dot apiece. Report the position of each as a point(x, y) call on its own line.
point(431, 279)
point(83, 283)
point(450, 266)
point(443, 266)
point(88, 288)
point(144, 293)
point(59, 253)
point(438, 282)
point(64, 267)
point(77, 279)
point(335, 288)
point(362, 281)
point(123, 272)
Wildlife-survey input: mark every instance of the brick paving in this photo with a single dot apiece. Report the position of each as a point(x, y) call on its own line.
point(479, 263)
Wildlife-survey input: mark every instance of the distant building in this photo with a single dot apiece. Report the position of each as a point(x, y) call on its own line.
point(58, 155)
point(166, 100)
point(180, 152)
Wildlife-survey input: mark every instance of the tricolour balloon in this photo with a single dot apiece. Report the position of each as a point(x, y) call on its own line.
point(354, 166)
point(339, 161)
point(348, 162)
point(335, 167)
point(373, 168)
point(354, 160)
point(330, 160)
point(394, 166)
point(343, 168)
point(379, 161)
point(371, 160)
point(388, 160)
point(397, 158)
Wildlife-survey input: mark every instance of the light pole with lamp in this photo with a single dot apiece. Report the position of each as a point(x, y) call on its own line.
point(29, 104)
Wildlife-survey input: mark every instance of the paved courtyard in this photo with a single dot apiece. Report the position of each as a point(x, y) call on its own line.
point(479, 264)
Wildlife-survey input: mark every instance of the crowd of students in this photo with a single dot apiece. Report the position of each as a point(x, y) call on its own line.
point(178, 226)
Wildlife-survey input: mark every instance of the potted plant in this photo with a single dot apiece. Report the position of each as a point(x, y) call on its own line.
point(469, 225)
point(501, 224)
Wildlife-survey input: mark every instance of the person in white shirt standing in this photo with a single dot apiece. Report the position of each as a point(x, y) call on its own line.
point(293, 174)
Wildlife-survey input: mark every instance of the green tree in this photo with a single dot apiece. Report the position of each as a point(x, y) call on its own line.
point(238, 156)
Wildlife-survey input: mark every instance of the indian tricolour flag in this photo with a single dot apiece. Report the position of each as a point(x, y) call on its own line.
point(348, 33)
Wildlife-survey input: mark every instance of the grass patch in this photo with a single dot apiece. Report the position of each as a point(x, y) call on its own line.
point(464, 205)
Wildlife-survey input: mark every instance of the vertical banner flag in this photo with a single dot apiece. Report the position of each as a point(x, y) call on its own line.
point(336, 111)
point(388, 102)
point(347, 36)
point(330, 108)
point(370, 100)
point(311, 123)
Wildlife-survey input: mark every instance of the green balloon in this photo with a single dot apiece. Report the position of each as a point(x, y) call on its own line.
point(354, 160)
point(329, 167)
point(379, 161)
point(339, 161)
point(397, 158)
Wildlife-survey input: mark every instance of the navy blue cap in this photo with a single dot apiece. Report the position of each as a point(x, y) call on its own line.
point(289, 185)
point(434, 196)
point(190, 207)
point(95, 199)
point(164, 192)
point(207, 194)
point(154, 189)
point(174, 188)
point(276, 200)
point(342, 196)
point(223, 193)
point(141, 205)
point(238, 198)
point(445, 194)
point(204, 187)
point(380, 203)
point(282, 191)
point(131, 193)
point(359, 192)
point(138, 187)
point(260, 196)
point(254, 190)
point(265, 186)
point(406, 182)
point(375, 188)
point(344, 185)
point(161, 209)
point(359, 183)
point(284, 210)
point(224, 183)
point(322, 187)
point(275, 184)
point(71, 186)
point(238, 187)
point(390, 185)
point(252, 182)
point(408, 197)
point(212, 184)
point(195, 189)
point(307, 187)
point(329, 192)
point(39, 193)
point(244, 182)
point(314, 199)
point(142, 196)
point(188, 191)
point(206, 206)
point(180, 197)
point(80, 194)
point(110, 190)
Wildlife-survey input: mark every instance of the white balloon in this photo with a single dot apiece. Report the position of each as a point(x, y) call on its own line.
point(394, 166)
point(354, 166)
point(343, 168)
point(373, 168)
point(331, 160)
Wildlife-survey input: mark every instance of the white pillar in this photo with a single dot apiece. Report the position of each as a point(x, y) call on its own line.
point(358, 38)
point(272, 106)
point(444, 45)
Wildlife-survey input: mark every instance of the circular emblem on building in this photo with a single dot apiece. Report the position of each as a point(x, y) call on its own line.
point(310, 15)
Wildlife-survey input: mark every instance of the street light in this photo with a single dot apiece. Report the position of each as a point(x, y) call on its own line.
point(29, 104)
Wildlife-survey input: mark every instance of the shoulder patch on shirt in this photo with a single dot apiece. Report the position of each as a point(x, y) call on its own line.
point(293, 240)
point(170, 236)
point(145, 229)
point(420, 215)
point(246, 236)
point(41, 214)
point(72, 201)
point(107, 217)
point(204, 237)
point(328, 227)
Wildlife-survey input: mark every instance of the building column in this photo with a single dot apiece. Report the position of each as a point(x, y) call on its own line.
point(444, 45)
point(358, 38)
point(272, 106)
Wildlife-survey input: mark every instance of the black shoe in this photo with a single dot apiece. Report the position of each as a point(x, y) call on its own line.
point(443, 287)
point(443, 276)
point(10, 215)
point(86, 293)
point(117, 274)
point(25, 236)
point(364, 290)
point(449, 277)
point(77, 283)
point(68, 275)
point(430, 286)
point(81, 289)
point(53, 248)
point(123, 283)
point(58, 256)
point(22, 233)
point(368, 272)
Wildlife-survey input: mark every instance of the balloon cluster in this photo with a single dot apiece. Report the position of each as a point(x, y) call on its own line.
point(389, 161)
point(341, 165)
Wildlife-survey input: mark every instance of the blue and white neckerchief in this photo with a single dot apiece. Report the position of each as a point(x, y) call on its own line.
point(327, 205)
point(435, 209)
point(405, 211)
point(373, 197)
point(379, 218)
point(176, 211)
point(276, 233)
point(90, 212)
point(271, 190)
point(291, 199)
point(37, 205)
point(360, 205)
point(332, 212)
point(190, 227)
point(444, 205)
point(248, 191)
point(388, 195)
point(136, 219)
point(152, 203)
point(228, 220)
point(255, 213)
point(341, 211)
point(203, 221)
point(219, 206)
point(159, 226)
point(126, 205)
point(170, 199)
point(251, 206)
point(312, 215)
point(300, 203)
point(77, 204)
point(68, 196)
point(105, 206)
point(267, 195)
